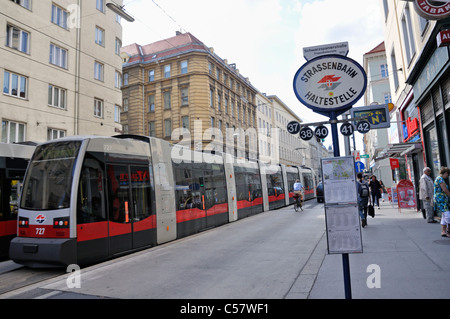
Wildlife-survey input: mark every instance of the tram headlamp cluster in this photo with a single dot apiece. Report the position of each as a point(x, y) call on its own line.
point(24, 222)
point(61, 222)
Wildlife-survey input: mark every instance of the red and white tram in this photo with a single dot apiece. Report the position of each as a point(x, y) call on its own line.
point(86, 199)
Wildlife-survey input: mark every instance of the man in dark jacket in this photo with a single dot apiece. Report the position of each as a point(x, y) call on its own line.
point(375, 190)
point(363, 198)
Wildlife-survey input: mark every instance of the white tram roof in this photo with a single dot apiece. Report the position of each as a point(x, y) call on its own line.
point(16, 150)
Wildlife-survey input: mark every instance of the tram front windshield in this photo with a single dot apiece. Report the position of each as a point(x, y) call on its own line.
point(48, 181)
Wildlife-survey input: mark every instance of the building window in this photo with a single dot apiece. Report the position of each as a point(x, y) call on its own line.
point(125, 78)
point(118, 46)
point(98, 108)
point(98, 71)
point(59, 16)
point(167, 102)
point(125, 128)
point(167, 128)
point(213, 121)
point(13, 132)
point(184, 67)
point(99, 36)
point(394, 70)
point(118, 80)
point(58, 56)
point(167, 71)
point(184, 96)
point(151, 103)
point(53, 134)
point(151, 75)
point(185, 122)
point(17, 38)
point(56, 96)
point(211, 98)
point(151, 129)
point(219, 102)
point(117, 110)
point(387, 97)
point(100, 6)
point(15, 85)
point(23, 3)
point(408, 35)
point(125, 104)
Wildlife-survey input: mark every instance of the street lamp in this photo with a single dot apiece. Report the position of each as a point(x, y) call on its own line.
point(119, 10)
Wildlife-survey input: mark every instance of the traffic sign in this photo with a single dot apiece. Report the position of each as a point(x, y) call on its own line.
point(365, 156)
point(377, 115)
point(359, 167)
point(306, 133)
point(293, 127)
point(321, 131)
point(347, 129)
point(363, 127)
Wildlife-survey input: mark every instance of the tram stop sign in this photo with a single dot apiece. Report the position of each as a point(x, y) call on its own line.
point(330, 84)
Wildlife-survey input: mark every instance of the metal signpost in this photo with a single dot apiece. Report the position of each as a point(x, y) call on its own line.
point(330, 85)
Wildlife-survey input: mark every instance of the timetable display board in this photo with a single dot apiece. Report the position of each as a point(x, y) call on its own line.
point(341, 205)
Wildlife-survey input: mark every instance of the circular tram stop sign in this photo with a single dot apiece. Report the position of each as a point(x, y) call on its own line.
point(330, 83)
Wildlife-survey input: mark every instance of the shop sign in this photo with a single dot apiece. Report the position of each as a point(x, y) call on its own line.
point(330, 83)
point(410, 129)
point(443, 38)
point(394, 163)
point(432, 10)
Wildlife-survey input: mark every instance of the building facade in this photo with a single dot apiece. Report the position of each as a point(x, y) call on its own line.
point(378, 92)
point(61, 69)
point(420, 86)
point(178, 89)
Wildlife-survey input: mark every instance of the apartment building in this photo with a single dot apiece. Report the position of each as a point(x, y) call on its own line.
point(178, 89)
point(419, 70)
point(61, 68)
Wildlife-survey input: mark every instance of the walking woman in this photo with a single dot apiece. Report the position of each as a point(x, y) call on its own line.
point(442, 200)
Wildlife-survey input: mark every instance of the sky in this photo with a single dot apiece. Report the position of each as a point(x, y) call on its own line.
point(265, 38)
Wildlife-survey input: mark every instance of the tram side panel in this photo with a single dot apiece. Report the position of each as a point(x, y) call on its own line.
point(292, 174)
point(201, 196)
point(248, 188)
point(164, 190)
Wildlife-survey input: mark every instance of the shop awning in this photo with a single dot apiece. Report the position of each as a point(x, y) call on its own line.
point(399, 149)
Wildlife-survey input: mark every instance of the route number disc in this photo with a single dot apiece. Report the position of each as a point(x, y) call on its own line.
point(363, 126)
point(321, 131)
point(306, 133)
point(347, 129)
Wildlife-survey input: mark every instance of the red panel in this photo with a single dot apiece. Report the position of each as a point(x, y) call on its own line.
point(92, 231)
point(8, 228)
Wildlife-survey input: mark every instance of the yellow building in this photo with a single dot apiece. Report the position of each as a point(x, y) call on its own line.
point(178, 89)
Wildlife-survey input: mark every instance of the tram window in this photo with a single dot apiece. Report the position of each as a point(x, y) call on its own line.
point(91, 199)
point(118, 194)
point(140, 185)
point(186, 192)
point(49, 179)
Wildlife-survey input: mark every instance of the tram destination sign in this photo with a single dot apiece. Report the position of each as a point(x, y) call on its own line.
point(330, 83)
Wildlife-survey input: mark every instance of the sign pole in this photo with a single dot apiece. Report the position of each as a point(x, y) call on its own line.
point(345, 258)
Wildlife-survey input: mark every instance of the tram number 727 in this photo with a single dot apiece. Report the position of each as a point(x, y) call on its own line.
point(40, 231)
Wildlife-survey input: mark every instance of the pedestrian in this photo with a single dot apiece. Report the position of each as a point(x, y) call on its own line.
point(426, 194)
point(375, 190)
point(442, 200)
point(363, 198)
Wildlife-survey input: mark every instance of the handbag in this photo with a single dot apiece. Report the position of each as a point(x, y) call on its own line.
point(371, 211)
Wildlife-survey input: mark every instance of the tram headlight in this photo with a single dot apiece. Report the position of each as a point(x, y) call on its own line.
point(61, 222)
point(24, 222)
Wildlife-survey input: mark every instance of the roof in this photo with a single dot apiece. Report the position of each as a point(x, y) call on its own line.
point(377, 49)
point(172, 47)
point(182, 42)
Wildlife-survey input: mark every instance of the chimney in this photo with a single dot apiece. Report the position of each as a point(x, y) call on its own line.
point(178, 33)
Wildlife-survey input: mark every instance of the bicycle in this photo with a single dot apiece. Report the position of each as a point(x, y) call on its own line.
point(298, 202)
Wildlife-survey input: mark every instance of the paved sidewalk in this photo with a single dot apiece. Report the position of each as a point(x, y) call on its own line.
point(403, 254)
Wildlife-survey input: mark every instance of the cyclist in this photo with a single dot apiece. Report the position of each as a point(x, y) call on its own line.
point(298, 194)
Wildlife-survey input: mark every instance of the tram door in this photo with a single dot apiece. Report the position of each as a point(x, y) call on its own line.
point(129, 203)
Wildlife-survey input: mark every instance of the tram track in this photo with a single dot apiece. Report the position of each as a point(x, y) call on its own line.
point(14, 276)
